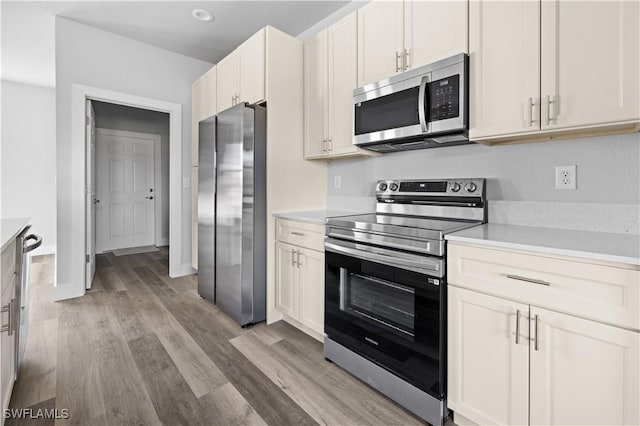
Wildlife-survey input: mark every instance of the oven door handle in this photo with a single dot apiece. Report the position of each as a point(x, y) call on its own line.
point(383, 259)
point(422, 95)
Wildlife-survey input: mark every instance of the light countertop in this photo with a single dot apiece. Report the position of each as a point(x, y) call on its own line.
point(313, 216)
point(10, 228)
point(620, 248)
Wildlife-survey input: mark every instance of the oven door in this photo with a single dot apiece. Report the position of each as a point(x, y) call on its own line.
point(388, 311)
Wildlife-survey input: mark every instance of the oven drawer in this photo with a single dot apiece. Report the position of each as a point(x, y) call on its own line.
point(8, 264)
point(603, 292)
point(301, 234)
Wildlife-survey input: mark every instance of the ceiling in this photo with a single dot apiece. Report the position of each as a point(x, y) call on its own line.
point(28, 28)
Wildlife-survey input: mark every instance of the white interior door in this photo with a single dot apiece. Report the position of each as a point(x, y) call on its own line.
point(90, 195)
point(126, 177)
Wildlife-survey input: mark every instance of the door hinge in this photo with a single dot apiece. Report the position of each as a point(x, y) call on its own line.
point(88, 257)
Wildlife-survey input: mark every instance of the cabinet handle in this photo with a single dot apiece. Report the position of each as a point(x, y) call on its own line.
point(406, 55)
point(9, 327)
point(517, 326)
point(299, 234)
point(530, 105)
point(330, 143)
point(536, 334)
point(548, 101)
point(529, 280)
point(324, 145)
point(298, 261)
point(398, 61)
point(293, 258)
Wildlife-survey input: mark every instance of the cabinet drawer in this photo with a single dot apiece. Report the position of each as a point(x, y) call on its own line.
point(601, 292)
point(301, 234)
point(8, 264)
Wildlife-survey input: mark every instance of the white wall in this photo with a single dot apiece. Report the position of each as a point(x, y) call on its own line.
point(517, 175)
point(95, 58)
point(120, 117)
point(28, 154)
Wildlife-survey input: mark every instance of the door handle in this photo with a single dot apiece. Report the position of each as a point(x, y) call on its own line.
point(330, 141)
point(293, 258)
point(298, 261)
point(149, 198)
point(530, 118)
point(398, 61)
point(407, 55)
point(536, 346)
point(518, 327)
point(528, 280)
point(9, 327)
point(548, 101)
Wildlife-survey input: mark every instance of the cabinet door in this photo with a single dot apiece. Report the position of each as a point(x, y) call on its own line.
point(251, 57)
point(380, 40)
point(312, 289)
point(434, 30)
point(208, 97)
point(315, 95)
point(590, 65)
point(583, 372)
point(488, 372)
point(287, 280)
point(343, 78)
point(504, 67)
point(196, 93)
point(7, 347)
point(227, 81)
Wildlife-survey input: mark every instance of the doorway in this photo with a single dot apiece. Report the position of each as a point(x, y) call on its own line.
point(128, 190)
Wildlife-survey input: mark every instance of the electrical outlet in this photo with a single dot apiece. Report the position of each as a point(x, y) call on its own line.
point(566, 177)
point(337, 182)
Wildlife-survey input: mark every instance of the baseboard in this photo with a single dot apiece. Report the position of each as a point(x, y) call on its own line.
point(163, 242)
point(185, 269)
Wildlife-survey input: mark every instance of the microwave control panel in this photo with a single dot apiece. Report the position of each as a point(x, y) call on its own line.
point(444, 98)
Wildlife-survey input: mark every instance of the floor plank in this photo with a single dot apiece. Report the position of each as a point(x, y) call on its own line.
point(143, 348)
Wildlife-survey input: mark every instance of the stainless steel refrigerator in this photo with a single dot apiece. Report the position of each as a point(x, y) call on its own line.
point(232, 212)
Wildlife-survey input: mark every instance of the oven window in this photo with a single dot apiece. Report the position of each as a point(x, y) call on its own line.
point(392, 111)
point(387, 304)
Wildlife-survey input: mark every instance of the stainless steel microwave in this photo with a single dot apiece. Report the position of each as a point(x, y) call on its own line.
point(423, 108)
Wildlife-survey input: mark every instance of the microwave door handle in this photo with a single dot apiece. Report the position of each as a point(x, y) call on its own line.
point(422, 93)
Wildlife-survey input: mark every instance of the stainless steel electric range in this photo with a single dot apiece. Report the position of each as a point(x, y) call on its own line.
point(386, 292)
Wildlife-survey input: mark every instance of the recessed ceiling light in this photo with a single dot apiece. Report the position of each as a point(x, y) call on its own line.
point(202, 15)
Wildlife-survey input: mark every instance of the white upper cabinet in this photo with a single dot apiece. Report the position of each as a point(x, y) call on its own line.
point(434, 30)
point(241, 74)
point(251, 68)
point(380, 40)
point(590, 62)
point(504, 65)
point(583, 372)
point(228, 81)
point(330, 76)
point(545, 69)
point(396, 36)
point(315, 96)
point(342, 80)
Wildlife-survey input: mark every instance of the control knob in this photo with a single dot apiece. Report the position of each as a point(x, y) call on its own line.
point(455, 187)
point(471, 187)
point(382, 186)
point(393, 187)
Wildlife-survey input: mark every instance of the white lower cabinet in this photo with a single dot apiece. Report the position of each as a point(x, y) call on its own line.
point(7, 343)
point(583, 372)
point(511, 362)
point(488, 370)
point(300, 278)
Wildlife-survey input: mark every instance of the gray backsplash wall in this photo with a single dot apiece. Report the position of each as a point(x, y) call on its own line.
point(520, 180)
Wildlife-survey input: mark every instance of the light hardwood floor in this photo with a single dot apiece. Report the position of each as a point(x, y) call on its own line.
point(142, 348)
